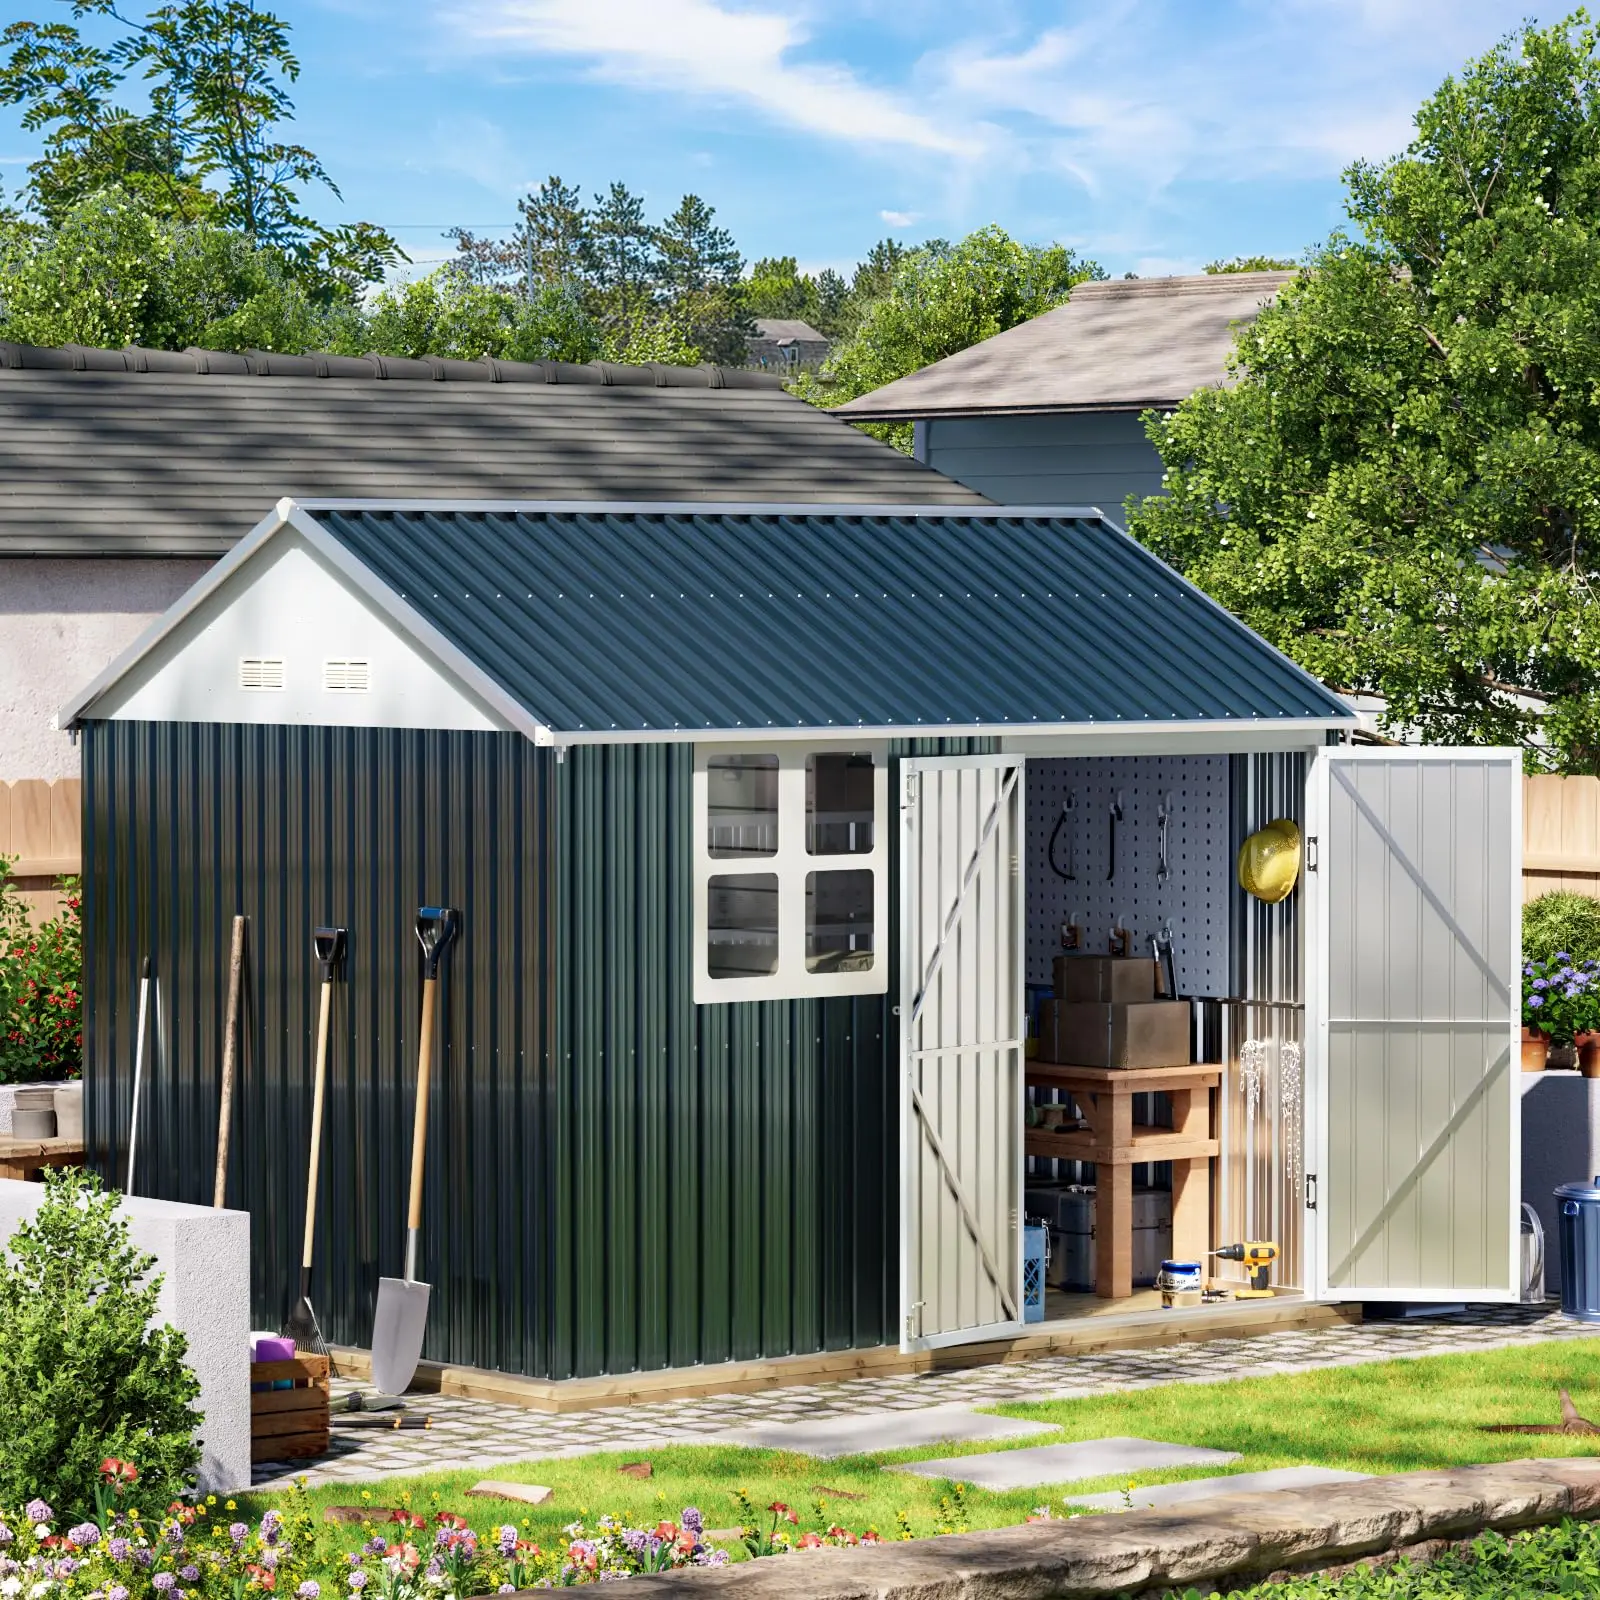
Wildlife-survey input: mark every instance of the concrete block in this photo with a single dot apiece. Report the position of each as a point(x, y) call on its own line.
point(1560, 1144)
point(203, 1257)
point(8, 1100)
point(828, 1437)
point(533, 1494)
point(1066, 1463)
point(1243, 1483)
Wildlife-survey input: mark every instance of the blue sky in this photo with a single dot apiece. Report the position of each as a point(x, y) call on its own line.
point(1153, 135)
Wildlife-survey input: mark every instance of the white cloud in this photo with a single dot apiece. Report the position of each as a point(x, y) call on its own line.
point(707, 49)
point(899, 219)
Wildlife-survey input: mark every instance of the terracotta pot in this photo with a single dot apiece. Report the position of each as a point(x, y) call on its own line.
point(1588, 1054)
point(1535, 1050)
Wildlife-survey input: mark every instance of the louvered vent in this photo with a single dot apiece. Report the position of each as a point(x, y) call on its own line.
point(346, 677)
point(260, 672)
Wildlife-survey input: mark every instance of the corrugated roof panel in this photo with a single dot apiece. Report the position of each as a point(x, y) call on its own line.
point(611, 622)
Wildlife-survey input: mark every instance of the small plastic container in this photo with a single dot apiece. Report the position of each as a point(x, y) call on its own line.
point(1578, 1205)
point(1035, 1258)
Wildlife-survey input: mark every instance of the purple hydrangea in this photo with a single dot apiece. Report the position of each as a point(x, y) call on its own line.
point(271, 1525)
point(144, 1558)
point(190, 1574)
point(66, 1566)
point(508, 1539)
point(1535, 1001)
point(38, 1511)
point(8, 1566)
point(164, 1581)
point(84, 1535)
point(269, 1559)
point(309, 1590)
point(6, 1535)
point(119, 1549)
point(238, 1532)
point(693, 1523)
point(358, 1580)
point(435, 1568)
point(116, 1592)
point(375, 1547)
point(705, 1557)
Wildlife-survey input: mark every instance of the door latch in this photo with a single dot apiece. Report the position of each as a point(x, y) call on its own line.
point(1311, 853)
point(1311, 1191)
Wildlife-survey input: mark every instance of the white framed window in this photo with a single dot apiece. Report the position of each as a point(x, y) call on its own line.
point(791, 871)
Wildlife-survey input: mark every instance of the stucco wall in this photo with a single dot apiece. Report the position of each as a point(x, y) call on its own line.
point(61, 621)
point(1092, 458)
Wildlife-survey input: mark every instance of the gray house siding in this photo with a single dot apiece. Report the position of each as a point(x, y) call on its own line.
point(1086, 458)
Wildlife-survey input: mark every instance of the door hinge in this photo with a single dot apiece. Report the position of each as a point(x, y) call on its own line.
point(1311, 1191)
point(1311, 853)
point(911, 788)
point(914, 1320)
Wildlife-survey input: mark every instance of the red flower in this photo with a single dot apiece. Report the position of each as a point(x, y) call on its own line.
point(446, 1519)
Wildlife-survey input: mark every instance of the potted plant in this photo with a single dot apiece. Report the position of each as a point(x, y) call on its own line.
point(1560, 1001)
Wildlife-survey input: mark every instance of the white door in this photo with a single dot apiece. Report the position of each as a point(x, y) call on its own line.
point(1414, 860)
point(961, 1048)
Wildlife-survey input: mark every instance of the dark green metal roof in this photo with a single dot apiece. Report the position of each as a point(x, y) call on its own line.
point(605, 622)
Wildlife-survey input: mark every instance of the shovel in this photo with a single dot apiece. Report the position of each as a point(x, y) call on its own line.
point(402, 1315)
point(138, 1069)
point(302, 1325)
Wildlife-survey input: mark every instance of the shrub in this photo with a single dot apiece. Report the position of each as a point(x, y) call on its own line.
point(83, 1374)
point(1561, 924)
point(41, 987)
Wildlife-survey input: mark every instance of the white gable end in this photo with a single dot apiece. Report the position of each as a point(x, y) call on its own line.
point(286, 639)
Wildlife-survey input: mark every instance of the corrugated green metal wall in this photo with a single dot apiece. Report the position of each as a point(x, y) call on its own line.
point(617, 1180)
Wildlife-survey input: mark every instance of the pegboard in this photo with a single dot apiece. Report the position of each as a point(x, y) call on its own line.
point(1194, 898)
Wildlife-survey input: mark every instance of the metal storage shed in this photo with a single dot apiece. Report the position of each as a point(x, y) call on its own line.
point(694, 1103)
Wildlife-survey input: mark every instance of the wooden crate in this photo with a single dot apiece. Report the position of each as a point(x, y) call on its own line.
point(289, 1424)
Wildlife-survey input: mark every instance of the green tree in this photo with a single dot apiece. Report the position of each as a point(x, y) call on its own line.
point(215, 74)
point(1401, 489)
point(941, 299)
point(1246, 264)
point(777, 288)
point(699, 268)
point(83, 1373)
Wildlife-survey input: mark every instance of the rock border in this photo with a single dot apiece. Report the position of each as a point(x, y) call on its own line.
point(1225, 1542)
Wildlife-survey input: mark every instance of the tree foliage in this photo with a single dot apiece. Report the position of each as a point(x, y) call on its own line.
point(205, 149)
point(939, 299)
point(1251, 264)
point(83, 1374)
point(1402, 488)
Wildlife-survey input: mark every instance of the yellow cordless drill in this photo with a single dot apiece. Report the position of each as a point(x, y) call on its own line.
point(1257, 1256)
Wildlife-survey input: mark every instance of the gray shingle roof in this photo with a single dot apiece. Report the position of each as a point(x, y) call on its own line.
point(604, 623)
point(1121, 345)
point(175, 453)
point(777, 329)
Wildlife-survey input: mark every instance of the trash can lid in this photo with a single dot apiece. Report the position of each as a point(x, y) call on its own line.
point(1578, 1191)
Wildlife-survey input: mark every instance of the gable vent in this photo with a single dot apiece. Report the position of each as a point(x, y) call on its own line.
point(346, 677)
point(260, 672)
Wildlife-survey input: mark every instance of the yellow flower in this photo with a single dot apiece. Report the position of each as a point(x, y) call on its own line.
point(232, 1506)
point(211, 1499)
point(366, 1494)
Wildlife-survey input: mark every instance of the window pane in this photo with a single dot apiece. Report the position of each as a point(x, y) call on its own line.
point(839, 804)
point(742, 805)
point(742, 925)
point(839, 921)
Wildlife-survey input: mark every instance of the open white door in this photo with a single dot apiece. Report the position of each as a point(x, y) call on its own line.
point(1413, 861)
point(961, 1048)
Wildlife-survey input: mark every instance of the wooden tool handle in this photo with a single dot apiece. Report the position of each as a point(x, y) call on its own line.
point(316, 1119)
point(230, 1056)
point(419, 1129)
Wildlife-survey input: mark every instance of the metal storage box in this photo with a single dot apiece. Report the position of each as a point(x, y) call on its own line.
point(1072, 1234)
point(1105, 978)
point(1083, 1033)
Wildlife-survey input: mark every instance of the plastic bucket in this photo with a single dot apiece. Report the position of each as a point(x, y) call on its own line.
point(1578, 1209)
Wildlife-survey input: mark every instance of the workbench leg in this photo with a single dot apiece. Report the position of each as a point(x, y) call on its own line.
point(1191, 1179)
point(1113, 1231)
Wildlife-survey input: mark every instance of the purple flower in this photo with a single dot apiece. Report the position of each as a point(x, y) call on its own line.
point(189, 1574)
point(1535, 1001)
point(38, 1511)
point(8, 1566)
point(1541, 983)
point(309, 1590)
point(507, 1535)
point(116, 1592)
point(238, 1532)
point(6, 1535)
point(164, 1581)
point(358, 1580)
point(709, 1558)
point(270, 1526)
point(506, 1588)
point(65, 1567)
point(693, 1522)
point(269, 1559)
point(85, 1534)
point(375, 1547)
point(175, 1535)
point(144, 1558)
point(435, 1568)
point(118, 1549)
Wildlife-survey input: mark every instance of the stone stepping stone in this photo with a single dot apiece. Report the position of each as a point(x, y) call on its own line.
point(1065, 1463)
point(861, 1432)
point(1174, 1494)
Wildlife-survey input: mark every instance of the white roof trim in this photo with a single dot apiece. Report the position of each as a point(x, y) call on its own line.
point(289, 514)
point(712, 508)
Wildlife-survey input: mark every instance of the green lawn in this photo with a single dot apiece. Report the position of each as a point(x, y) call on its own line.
point(1394, 1417)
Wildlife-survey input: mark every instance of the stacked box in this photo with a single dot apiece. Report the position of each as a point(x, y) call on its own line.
point(1104, 1014)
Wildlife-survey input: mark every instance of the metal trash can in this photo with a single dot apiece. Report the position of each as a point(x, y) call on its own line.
point(1579, 1205)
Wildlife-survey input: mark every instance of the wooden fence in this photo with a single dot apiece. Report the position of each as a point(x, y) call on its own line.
point(39, 826)
point(39, 822)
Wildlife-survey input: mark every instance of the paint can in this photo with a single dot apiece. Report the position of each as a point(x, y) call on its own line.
point(1180, 1282)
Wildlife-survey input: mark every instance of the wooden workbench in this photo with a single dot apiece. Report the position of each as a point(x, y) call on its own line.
point(1116, 1144)
point(25, 1158)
